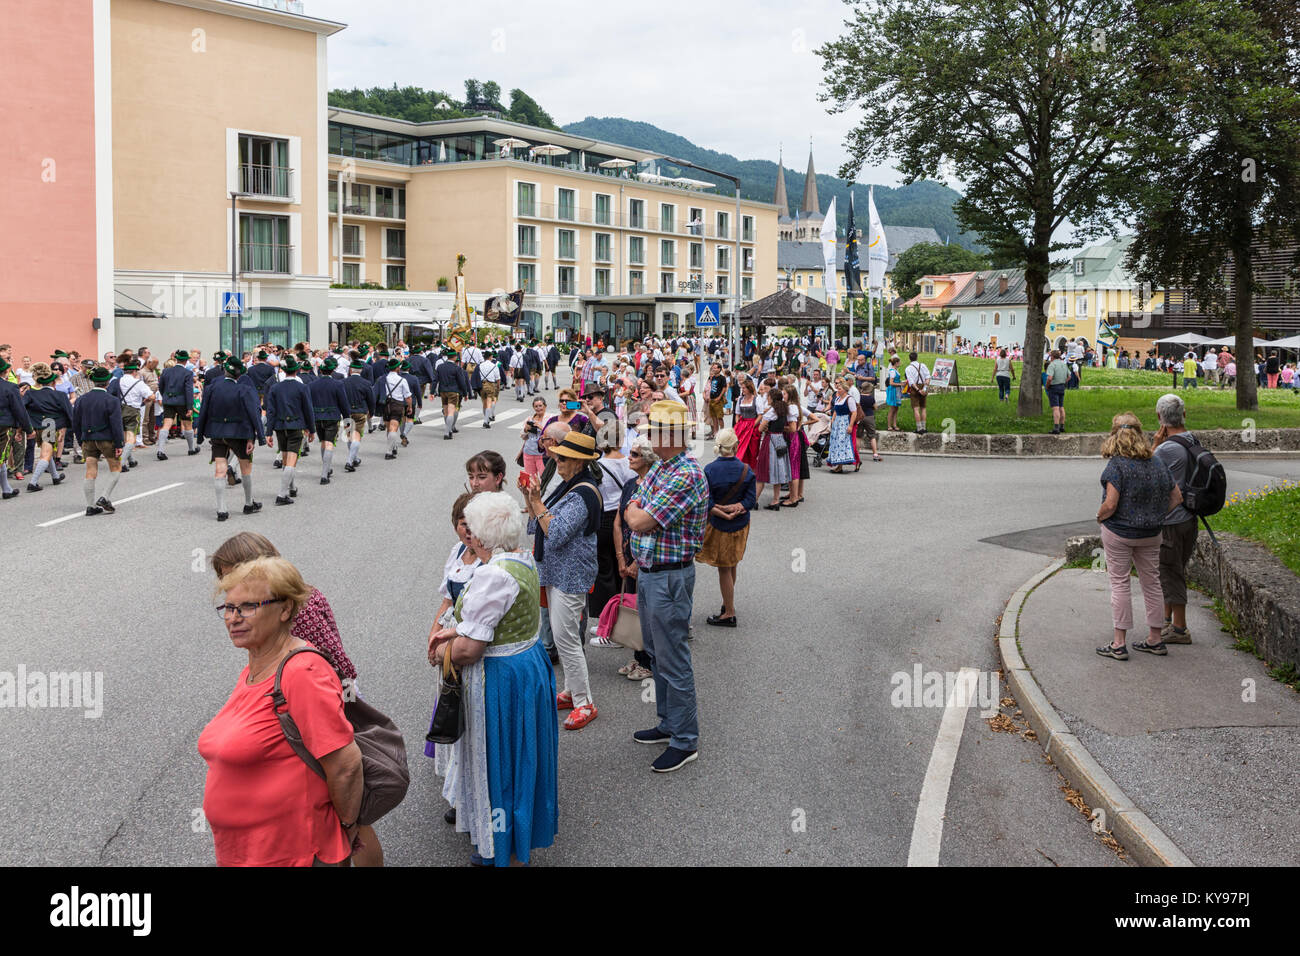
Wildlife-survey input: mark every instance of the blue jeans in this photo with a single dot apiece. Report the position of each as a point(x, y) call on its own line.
point(1004, 387)
point(664, 601)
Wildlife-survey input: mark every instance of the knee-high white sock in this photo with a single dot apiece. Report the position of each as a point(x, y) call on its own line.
point(219, 485)
point(327, 462)
point(449, 422)
point(41, 465)
point(248, 488)
point(354, 451)
point(113, 478)
point(88, 489)
point(4, 480)
point(189, 439)
point(54, 466)
point(286, 479)
point(162, 440)
point(392, 441)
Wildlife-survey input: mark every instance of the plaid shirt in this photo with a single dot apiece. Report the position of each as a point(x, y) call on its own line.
point(676, 494)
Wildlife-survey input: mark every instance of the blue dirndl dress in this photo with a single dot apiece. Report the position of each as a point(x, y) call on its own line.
point(841, 446)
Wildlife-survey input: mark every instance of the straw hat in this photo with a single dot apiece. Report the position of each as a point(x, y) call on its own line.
point(670, 413)
point(576, 445)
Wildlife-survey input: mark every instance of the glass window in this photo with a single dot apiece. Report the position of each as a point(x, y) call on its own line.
point(527, 237)
point(280, 327)
point(636, 249)
point(603, 325)
point(567, 205)
point(568, 245)
point(724, 285)
point(667, 252)
point(1081, 305)
point(636, 213)
point(1011, 318)
point(602, 282)
point(636, 282)
point(527, 278)
point(395, 277)
point(395, 243)
point(566, 283)
point(697, 221)
point(527, 199)
point(1061, 307)
point(667, 215)
point(602, 210)
point(697, 255)
point(667, 282)
point(264, 244)
point(351, 240)
point(724, 257)
point(264, 166)
point(602, 247)
point(351, 273)
point(746, 228)
point(747, 288)
point(724, 225)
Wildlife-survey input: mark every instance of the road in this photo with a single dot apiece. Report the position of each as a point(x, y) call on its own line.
point(805, 759)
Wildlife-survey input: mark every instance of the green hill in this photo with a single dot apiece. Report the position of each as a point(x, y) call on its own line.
point(920, 204)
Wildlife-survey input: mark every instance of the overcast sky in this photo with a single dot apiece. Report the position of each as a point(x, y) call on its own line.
point(740, 78)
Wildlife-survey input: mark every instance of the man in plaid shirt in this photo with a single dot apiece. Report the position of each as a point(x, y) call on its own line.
point(667, 517)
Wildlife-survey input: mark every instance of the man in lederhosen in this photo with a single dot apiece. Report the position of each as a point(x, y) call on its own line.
point(289, 415)
point(15, 426)
point(489, 388)
point(329, 405)
point(393, 400)
point(97, 420)
point(361, 406)
point(410, 421)
point(453, 385)
point(176, 384)
point(231, 418)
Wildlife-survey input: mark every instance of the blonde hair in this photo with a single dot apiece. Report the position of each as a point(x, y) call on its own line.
point(281, 577)
point(1127, 439)
point(567, 394)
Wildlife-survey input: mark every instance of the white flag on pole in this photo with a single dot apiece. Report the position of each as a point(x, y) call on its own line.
point(828, 250)
point(877, 248)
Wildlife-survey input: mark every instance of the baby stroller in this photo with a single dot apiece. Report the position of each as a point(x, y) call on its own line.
point(819, 438)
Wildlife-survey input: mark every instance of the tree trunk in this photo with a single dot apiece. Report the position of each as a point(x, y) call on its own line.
point(1243, 275)
point(1029, 403)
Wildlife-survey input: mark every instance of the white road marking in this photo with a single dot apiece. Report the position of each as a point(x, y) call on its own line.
point(436, 417)
point(143, 494)
point(927, 830)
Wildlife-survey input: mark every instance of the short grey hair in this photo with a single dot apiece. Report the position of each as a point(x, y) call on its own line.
point(493, 517)
point(556, 431)
point(642, 446)
point(610, 435)
point(1171, 411)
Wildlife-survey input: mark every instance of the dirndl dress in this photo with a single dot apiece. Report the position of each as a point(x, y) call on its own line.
point(747, 435)
point(841, 445)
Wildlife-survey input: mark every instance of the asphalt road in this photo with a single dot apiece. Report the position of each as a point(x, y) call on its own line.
point(804, 758)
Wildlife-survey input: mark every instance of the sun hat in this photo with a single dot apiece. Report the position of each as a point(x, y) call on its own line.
point(576, 445)
point(668, 412)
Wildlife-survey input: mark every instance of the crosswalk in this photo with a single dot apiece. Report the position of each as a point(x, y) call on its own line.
point(435, 420)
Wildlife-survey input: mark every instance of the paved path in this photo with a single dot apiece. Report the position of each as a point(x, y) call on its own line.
point(804, 757)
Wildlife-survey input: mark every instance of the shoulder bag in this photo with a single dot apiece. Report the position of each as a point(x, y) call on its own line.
point(448, 722)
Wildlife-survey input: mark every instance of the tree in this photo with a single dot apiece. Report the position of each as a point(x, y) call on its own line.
point(1023, 100)
point(524, 109)
point(473, 92)
point(932, 258)
point(1221, 130)
point(371, 332)
point(492, 93)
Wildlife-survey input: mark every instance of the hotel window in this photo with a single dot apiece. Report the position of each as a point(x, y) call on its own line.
point(395, 277)
point(670, 323)
point(353, 244)
point(566, 283)
point(724, 225)
point(277, 326)
point(567, 246)
point(747, 259)
point(724, 285)
point(602, 209)
point(334, 195)
point(636, 250)
point(602, 282)
point(602, 247)
point(264, 166)
point(636, 213)
point(667, 217)
point(527, 273)
point(697, 255)
point(358, 200)
point(566, 207)
point(390, 202)
point(1078, 267)
point(1081, 305)
point(351, 273)
point(746, 228)
point(747, 288)
point(526, 199)
point(667, 252)
point(1062, 307)
point(636, 282)
point(667, 282)
point(395, 243)
point(264, 244)
point(527, 240)
point(697, 221)
point(724, 258)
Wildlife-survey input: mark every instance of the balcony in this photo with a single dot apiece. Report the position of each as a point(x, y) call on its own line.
point(265, 257)
point(352, 247)
point(583, 215)
point(256, 180)
point(395, 250)
point(527, 249)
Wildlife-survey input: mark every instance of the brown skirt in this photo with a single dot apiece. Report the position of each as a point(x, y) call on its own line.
point(723, 549)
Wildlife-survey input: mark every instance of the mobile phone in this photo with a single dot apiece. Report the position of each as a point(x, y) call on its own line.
point(573, 406)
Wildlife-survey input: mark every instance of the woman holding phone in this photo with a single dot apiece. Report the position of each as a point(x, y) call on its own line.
point(534, 461)
point(569, 413)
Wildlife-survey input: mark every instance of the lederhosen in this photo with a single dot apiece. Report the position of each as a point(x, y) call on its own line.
point(394, 410)
point(327, 429)
point(130, 414)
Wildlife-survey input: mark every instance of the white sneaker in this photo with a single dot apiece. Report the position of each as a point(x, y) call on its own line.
point(599, 641)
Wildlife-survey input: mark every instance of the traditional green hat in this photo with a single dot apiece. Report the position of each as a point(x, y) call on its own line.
point(289, 365)
point(4, 366)
point(330, 364)
point(234, 367)
point(364, 349)
point(99, 375)
point(405, 366)
point(182, 356)
point(132, 365)
point(262, 356)
point(220, 357)
point(393, 365)
point(48, 379)
point(450, 353)
point(58, 354)
point(358, 365)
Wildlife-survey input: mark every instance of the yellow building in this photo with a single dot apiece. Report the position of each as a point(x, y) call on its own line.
point(209, 98)
point(599, 242)
point(1090, 288)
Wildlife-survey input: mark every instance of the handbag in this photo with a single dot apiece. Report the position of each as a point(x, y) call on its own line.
point(519, 458)
point(385, 777)
point(779, 444)
point(449, 716)
point(627, 626)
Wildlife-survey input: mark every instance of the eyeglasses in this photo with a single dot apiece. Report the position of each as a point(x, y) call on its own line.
point(242, 611)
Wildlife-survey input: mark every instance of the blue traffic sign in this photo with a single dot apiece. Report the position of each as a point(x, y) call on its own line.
point(706, 314)
point(232, 303)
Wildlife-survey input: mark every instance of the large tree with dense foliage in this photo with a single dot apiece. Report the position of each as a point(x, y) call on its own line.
point(1024, 101)
point(932, 259)
point(1219, 137)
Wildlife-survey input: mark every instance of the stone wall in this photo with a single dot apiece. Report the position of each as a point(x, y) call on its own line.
point(1079, 445)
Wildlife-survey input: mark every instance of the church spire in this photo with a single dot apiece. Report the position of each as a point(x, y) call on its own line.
point(780, 200)
point(810, 203)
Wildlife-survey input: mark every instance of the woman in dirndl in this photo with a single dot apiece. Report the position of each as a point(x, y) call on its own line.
point(507, 758)
point(774, 452)
point(841, 451)
point(462, 562)
point(747, 432)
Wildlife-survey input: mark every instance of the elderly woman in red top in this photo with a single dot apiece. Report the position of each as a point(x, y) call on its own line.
point(264, 804)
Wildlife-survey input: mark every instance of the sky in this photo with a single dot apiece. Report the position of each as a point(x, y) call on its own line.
point(740, 78)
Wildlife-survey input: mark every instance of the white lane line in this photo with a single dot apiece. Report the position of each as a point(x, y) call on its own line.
point(436, 417)
point(122, 501)
point(927, 831)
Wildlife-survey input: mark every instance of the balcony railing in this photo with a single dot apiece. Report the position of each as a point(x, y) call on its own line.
point(389, 210)
point(265, 257)
point(382, 210)
point(352, 247)
point(257, 180)
point(527, 249)
point(395, 250)
point(584, 215)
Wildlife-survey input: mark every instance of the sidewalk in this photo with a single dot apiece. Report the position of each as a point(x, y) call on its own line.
point(1217, 774)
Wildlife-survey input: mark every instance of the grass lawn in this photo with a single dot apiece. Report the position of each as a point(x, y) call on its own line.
point(1271, 518)
point(979, 371)
point(981, 413)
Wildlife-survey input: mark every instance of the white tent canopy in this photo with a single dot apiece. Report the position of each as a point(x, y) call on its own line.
point(1232, 340)
point(1293, 342)
point(1187, 338)
point(397, 313)
point(340, 314)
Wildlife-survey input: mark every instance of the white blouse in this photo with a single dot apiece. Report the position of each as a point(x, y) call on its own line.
point(456, 570)
point(486, 603)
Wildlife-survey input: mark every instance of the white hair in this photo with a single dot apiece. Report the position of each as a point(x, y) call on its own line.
point(493, 517)
point(1171, 411)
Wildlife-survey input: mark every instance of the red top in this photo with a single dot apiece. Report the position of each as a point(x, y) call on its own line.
point(265, 805)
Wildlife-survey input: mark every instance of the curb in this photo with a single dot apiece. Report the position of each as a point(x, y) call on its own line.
point(1132, 828)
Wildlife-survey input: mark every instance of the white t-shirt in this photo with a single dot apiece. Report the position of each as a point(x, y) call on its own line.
point(1211, 361)
point(614, 473)
point(917, 374)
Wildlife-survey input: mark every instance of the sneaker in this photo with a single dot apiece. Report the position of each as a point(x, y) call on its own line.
point(673, 759)
point(1175, 635)
point(599, 641)
point(1157, 649)
point(564, 700)
point(253, 509)
point(349, 467)
point(1119, 653)
point(92, 510)
point(581, 717)
point(106, 505)
point(652, 736)
point(628, 667)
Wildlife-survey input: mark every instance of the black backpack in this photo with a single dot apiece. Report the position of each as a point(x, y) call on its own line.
point(1205, 486)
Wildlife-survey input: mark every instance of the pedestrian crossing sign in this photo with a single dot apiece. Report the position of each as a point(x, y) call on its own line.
point(232, 303)
point(706, 314)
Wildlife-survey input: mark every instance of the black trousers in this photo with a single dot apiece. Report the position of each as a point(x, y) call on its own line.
point(607, 577)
